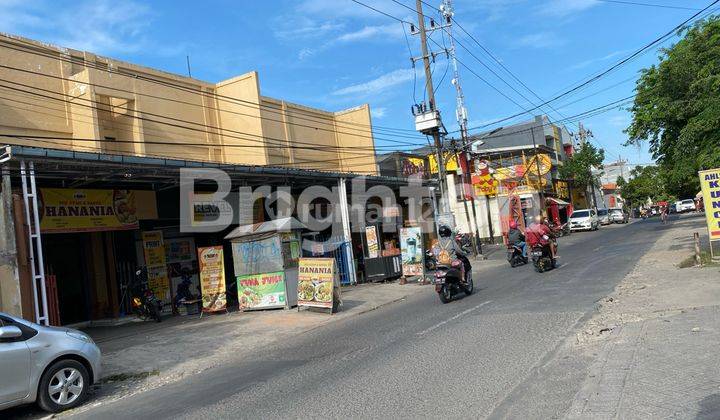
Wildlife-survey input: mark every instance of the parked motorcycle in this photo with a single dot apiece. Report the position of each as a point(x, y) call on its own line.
point(515, 256)
point(144, 302)
point(449, 280)
point(430, 261)
point(542, 256)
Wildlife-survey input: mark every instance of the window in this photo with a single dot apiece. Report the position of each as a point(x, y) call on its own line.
point(580, 213)
point(27, 332)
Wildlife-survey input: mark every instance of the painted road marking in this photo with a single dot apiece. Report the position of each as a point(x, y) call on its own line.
point(453, 318)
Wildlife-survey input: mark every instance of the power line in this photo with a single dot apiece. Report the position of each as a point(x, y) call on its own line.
point(634, 3)
point(32, 49)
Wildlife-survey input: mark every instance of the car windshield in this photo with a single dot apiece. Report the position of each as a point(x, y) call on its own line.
point(581, 213)
point(688, 202)
point(602, 212)
point(616, 211)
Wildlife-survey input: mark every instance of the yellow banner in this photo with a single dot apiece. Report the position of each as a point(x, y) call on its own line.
point(451, 164)
point(69, 210)
point(316, 282)
point(154, 250)
point(212, 278)
point(484, 184)
point(710, 184)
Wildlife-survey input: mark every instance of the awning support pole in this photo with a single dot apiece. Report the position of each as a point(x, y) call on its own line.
point(347, 236)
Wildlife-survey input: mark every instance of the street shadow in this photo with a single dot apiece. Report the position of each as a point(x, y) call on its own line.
point(349, 304)
point(709, 408)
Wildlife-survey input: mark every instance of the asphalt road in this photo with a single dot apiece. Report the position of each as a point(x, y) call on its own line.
point(474, 357)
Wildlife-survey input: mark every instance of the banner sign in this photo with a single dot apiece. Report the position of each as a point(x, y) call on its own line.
point(154, 250)
point(372, 241)
point(68, 210)
point(484, 184)
point(411, 248)
point(710, 185)
point(212, 278)
point(258, 291)
point(316, 281)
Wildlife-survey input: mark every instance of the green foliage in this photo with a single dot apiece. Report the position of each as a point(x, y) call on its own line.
point(579, 166)
point(646, 182)
point(677, 108)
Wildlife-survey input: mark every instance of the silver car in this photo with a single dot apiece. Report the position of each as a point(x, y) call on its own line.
point(54, 367)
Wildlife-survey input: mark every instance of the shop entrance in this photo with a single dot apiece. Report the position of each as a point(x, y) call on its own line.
point(65, 259)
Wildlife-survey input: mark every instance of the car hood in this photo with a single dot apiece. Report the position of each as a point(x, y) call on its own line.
point(580, 219)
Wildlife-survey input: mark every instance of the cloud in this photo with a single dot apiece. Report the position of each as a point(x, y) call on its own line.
point(378, 112)
point(371, 32)
point(539, 40)
point(378, 84)
point(564, 8)
point(348, 9)
point(619, 121)
point(606, 57)
point(100, 26)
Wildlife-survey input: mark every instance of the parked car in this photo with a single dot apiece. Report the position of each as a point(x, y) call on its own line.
point(586, 219)
point(603, 216)
point(52, 366)
point(685, 205)
point(618, 215)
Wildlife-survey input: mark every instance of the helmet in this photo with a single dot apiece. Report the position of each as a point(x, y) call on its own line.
point(445, 231)
point(513, 224)
point(539, 219)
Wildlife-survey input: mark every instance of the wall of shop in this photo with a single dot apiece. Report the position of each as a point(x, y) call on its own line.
point(128, 114)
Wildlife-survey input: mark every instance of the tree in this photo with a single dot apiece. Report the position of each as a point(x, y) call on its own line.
point(580, 165)
point(646, 182)
point(677, 108)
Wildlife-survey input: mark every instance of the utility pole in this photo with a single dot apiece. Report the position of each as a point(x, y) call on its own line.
point(583, 134)
point(461, 116)
point(427, 118)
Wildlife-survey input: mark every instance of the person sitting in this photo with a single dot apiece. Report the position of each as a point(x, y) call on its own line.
point(448, 249)
point(517, 238)
point(538, 231)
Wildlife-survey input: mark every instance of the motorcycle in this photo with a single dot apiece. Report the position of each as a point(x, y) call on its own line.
point(561, 229)
point(430, 261)
point(515, 256)
point(542, 256)
point(144, 302)
point(449, 280)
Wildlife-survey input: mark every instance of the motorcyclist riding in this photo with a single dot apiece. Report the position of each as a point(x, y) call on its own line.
point(536, 233)
point(516, 237)
point(448, 249)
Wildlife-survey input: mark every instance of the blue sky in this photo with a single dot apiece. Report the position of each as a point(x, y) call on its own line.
point(335, 54)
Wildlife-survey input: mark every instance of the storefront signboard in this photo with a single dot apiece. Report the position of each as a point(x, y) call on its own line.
point(260, 291)
point(316, 282)
point(710, 186)
point(70, 210)
point(156, 264)
point(412, 251)
point(212, 278)
point(372, 241)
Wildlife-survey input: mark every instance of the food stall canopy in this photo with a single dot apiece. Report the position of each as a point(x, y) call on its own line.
point(285, 224)
point(558, 201)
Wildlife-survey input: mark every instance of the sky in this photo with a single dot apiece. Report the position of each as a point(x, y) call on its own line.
point(336, 54)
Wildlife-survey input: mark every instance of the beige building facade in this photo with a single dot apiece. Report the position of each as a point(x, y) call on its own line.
point(54, 97)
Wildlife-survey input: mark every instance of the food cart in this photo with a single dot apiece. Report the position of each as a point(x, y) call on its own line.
point(265, 262)
point(382, 257)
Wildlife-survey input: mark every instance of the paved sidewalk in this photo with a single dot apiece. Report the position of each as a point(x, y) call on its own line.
point(654, 341)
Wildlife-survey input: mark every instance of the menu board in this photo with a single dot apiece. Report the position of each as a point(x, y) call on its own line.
point(260, 291)
point(212, 278)
point(316, 280)
point(154, 251)
point(372, 241)
point(412, 251)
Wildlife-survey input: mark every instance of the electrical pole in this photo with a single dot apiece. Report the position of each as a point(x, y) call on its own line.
point(583, 135)
point(433, 128)
point(461, 116)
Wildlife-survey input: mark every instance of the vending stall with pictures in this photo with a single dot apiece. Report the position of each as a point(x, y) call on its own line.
point(265, 260)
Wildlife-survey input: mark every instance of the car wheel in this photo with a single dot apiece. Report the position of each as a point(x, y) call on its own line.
point(64, 385)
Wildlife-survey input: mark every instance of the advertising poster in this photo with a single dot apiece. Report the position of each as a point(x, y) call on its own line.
point(257, 291)
point(154, 250)
point(212, 279)
point(68, 210)
point(372, 241)
point(710, 186)
point(411, 249)
point(182, 263)
point(316, 280)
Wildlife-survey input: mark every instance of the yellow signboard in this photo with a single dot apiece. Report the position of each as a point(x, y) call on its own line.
point(68, 210)
point(154, 250)
point(710, 184)
point(316, 282)
point(484, 184)
point(212, 278)
point(451, 164)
